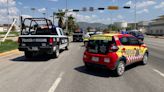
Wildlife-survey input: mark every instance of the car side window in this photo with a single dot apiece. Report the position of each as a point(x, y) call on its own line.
point(61, 33)
point(124, 41)
point(133, 41)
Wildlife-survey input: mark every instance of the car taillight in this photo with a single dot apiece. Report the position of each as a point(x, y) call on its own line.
point(51, 40)
point(123, 51)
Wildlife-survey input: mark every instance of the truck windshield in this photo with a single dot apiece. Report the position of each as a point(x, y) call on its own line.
point(37, 27)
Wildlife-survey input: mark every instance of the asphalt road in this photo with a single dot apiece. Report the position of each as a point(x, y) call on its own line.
point(68, 74)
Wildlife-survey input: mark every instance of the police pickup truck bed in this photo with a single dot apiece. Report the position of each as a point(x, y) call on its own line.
point(39, 36)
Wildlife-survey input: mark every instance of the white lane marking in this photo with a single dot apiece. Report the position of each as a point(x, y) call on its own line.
point(56, 83)
point(157, 71)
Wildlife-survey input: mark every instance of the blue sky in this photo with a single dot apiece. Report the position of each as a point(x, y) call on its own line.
point(146, 9)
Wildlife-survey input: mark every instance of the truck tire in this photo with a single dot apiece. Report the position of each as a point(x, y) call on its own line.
point(66, 48)
point(120, 69)
point(88, 67)
point(57, 52)
point(28, 54)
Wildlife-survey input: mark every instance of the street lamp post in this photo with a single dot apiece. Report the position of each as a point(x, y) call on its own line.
point(33, 11)
point(135, 15)
point(53, 17)
point(8, 14)
point(112, 8)
point(44, 15)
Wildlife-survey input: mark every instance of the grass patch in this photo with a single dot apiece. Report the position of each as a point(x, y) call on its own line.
point(15, 33)
point(8, 45)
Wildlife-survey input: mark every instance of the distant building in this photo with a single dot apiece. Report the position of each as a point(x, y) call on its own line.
point(156, 27)
point(121, 25)
point(4, 27)
point(143, 26)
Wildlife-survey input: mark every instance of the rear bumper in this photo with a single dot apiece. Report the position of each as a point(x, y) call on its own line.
point(40, 49)
point(110, 65)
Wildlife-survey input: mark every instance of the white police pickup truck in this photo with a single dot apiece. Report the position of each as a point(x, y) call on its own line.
point(40, 36)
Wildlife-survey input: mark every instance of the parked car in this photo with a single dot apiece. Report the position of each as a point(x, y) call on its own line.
point(137, 34)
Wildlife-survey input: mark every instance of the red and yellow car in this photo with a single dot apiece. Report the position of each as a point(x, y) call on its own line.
point(115, 52)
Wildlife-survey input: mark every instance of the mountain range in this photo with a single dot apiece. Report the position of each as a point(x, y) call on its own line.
point(85, 25)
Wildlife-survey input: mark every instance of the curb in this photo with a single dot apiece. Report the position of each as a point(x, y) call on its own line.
point(16, 50)
point(8, 52)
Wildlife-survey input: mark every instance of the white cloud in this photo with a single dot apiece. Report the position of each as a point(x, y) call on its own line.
point(7, 2)
point(143, 11)
point(12, 10)
point(129, 3)
point(145, 4)
point(141, 4)
point(120, 17)
point(101, 11)
point(42, 10)
point(26, 16)
point(93, 16)
point(160, 6)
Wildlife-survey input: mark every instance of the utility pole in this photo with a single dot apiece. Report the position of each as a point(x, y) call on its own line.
point(135, 15)
point(8, 15)
point(66, 15)
point(33, 11)
point(53, 17)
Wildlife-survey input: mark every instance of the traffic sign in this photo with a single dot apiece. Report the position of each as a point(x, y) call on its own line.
point(84, 9)
point(91, 8)
point(113, 7)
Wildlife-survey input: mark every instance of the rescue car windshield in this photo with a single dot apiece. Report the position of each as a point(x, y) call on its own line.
point(37, 27)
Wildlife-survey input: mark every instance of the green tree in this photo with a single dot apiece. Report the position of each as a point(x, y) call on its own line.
point(72, 25)
point(60, 15)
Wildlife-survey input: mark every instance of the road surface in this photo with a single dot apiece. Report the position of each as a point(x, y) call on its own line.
point(68, 74)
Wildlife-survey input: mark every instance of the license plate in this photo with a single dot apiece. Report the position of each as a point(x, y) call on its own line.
point(96, 59)
point(34, 48)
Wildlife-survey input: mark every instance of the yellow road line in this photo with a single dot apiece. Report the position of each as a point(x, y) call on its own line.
point(8, 52)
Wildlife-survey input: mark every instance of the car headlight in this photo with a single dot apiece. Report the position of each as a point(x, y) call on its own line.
point(106, 60)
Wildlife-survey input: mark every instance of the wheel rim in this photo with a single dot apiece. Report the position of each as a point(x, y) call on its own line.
point(57, 52)
point(145, 59)
point(121, 68)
